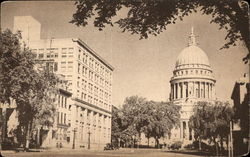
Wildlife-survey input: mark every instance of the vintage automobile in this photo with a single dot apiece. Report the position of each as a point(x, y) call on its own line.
point(110, 146)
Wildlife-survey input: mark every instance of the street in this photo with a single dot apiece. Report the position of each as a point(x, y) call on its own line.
point(113, 153)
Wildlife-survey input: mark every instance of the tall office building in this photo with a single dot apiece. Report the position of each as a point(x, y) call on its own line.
point(89, 79)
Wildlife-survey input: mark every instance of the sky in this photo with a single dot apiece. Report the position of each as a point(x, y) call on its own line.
point(142, 67)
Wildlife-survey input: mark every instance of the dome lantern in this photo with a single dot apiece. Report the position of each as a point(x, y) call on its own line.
point(192, 40)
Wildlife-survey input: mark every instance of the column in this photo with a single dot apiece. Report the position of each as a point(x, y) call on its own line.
point(101, 132)
point(184, 90)
point(205, 94)
point(193, 84)
point(172, 92)
point(179, 91)
point(199, 89)
point(208, 90)
point(181, 130)
point(96, 129)
point(181, 85)
point(109, 129)
point(187, 130)
point(212, 96)
point(176, 90)
point(91, 131)
point(213, 91)
point(85, 133)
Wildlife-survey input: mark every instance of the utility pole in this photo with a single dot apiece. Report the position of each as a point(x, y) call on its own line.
point(1, 130)
point(231, 138)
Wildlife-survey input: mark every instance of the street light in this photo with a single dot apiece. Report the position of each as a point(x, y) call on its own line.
point(74, 137)
point(1, 123)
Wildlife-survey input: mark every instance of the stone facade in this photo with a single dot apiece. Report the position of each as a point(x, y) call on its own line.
point(89, 79)
point(192, 81)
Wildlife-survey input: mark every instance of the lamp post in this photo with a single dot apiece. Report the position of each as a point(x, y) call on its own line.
point(243, 4)
point(74, 137)
point(1, 123)
point(89, 139)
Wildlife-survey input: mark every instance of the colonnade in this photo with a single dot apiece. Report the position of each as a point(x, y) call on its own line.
point(185, 132)
point(93, 128)
point(192, 89)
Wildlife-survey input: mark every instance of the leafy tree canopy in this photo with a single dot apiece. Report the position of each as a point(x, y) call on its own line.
point(211, 120)
point(151, 17)
point(137, 116)
point(32, 90)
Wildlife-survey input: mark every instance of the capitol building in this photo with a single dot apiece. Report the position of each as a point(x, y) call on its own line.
point(192, 81)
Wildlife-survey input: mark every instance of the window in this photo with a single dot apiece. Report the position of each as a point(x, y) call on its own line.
point(40, 55)
point(71, 52)
point(58, 117)
point(79, 68)
point(64, 51)
point(70, 66)
point(62, 101)
point(61, 117)
point(55, 66)
point(65, 102)
point(64, 118)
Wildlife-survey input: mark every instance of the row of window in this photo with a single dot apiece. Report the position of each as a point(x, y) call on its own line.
point(92, 89)
point(93, 64)
point(69, 52)
point(93, 100)
point(96, 117)
point(62, 101)
point(53, 53)
point(92, 76)
point(201, 72)
point(61, 118)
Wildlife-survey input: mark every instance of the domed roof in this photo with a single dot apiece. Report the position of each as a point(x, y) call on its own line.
point(192, 55)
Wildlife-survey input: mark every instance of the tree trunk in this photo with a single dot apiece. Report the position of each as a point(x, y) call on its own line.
point(27, 143)
point(157, 142)
point(216, 147)
point(139, 143)
point(199, 144)
point(221, 146)
point(0, 147)
point(148, 142)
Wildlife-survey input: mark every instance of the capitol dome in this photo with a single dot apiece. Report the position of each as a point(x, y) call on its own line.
point(193, 76)
point(192, 55)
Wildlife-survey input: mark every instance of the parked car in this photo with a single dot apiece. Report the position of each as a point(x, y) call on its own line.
point(110, 146)
point(176, 145)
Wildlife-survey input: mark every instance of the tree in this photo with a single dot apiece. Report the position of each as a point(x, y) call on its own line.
point(162, 117)
point(32, 90)
point(137, 116)
point(117, 128)
point(134, 114)
point(151, 17)
point(212, 121)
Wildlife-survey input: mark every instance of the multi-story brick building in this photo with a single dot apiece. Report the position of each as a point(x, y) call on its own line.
point(89, 80)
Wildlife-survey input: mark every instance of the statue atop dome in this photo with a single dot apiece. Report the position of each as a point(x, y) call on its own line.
point(192, 40)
